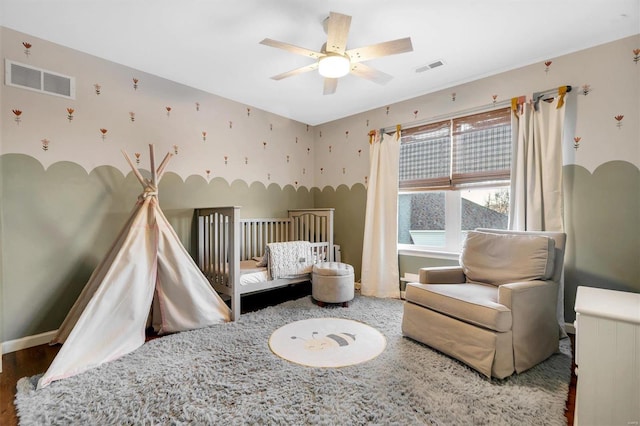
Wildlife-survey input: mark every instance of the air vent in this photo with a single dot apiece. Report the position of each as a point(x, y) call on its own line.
point(430, 66)
point(39, 80)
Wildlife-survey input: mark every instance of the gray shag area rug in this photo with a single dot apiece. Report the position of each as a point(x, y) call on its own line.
point(226, 374)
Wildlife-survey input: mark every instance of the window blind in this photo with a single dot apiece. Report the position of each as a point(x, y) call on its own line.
point(481, 147)
point(425, 156)
point(459, 151)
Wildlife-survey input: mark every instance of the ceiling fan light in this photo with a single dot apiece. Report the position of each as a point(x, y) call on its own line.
point(334, 66)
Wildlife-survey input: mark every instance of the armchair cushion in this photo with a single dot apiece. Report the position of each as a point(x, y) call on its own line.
point(441, 275)
point(473, 303)
point(503, 258)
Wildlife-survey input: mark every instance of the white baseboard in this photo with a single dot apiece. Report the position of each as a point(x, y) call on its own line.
point(27, 342)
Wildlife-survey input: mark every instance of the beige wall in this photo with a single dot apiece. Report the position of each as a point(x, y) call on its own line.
point(61, 208)
point(602, 182)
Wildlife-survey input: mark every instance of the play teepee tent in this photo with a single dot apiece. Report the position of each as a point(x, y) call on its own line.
point(146, 269)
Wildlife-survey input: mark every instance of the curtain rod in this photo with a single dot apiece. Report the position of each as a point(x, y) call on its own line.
point(456, 114)
point(468, 111)
point(554, 91)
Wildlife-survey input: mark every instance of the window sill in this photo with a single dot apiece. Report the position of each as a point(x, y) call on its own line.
point(408, 250)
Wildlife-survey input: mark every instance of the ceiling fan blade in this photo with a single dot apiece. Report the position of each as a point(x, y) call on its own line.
point(291, 48)
point(337, 32)
point(296, 71)
point(386, 48)
point(372, 74)
point(330, 85)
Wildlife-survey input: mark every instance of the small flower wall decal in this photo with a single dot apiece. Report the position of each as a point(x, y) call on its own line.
point(17, 114)
point(367, 122)
point(308, 151)
point(296, 139)
point(175, 149)
point(270, 127)
point(636, 55)
point(208, 172)
point(104, 133)
point(45, 144)
point(321, 170)
point(264, 145)
point(494, 97)
point(304, 171)
point(226, 158)
point(320, 133)
point(248, 112)
point(619, 120)
point(295, 183)
point(231, 124)
point(137, 154)
point(344, 170)
point(70, 114)
point(387, 110)
point(97, 87)
point(135, 83)
point(307, 127)
point(359, 152)
point(246, 160)
point(204, 136)
point(547, 65)
point(415, 114)
point(586, 89)
point(168, 108)
point(346, 134)
point(576, 142)
point(453, 97)
point(27, 47)
point(329, 148)
point(366, 179)
point(287, 158)
point(132, 116)
point(197, 106)
point(268, 176)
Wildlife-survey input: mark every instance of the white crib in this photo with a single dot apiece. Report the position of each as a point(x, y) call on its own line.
point(227, 248)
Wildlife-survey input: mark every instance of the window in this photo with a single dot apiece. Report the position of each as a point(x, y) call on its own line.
point(454, 177)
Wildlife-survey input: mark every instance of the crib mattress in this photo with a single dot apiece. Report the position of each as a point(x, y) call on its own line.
point(251, 274)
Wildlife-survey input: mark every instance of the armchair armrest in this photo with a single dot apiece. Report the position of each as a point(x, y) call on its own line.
point(442, 275)
point(535, 329)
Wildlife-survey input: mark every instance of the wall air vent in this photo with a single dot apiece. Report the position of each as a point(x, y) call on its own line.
point(39, 80)
point(430, 66)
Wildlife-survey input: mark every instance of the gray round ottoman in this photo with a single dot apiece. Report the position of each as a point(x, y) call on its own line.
point(332, 282)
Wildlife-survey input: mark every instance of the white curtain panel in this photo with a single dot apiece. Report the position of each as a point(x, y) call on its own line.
point(380, 276)
point(536, 174)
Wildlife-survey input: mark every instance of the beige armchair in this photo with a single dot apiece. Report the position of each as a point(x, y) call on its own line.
point(496, 312)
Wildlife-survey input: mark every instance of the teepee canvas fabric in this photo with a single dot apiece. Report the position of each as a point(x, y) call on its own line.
point(147, 268)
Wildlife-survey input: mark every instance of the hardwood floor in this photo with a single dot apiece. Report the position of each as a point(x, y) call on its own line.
point(31, 361)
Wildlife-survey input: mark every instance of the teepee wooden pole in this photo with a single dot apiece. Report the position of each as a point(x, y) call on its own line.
point(152, 159)
point(164, 163)
point(133, 168)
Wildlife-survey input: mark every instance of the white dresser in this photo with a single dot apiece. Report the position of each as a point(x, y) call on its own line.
point(607, 357)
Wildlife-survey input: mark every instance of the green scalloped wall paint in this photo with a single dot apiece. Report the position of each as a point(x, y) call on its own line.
point(63, 220)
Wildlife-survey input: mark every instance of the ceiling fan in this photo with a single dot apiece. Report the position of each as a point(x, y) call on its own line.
point(334, 60)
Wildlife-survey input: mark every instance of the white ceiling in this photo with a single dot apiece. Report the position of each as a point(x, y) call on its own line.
point(213, 45)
